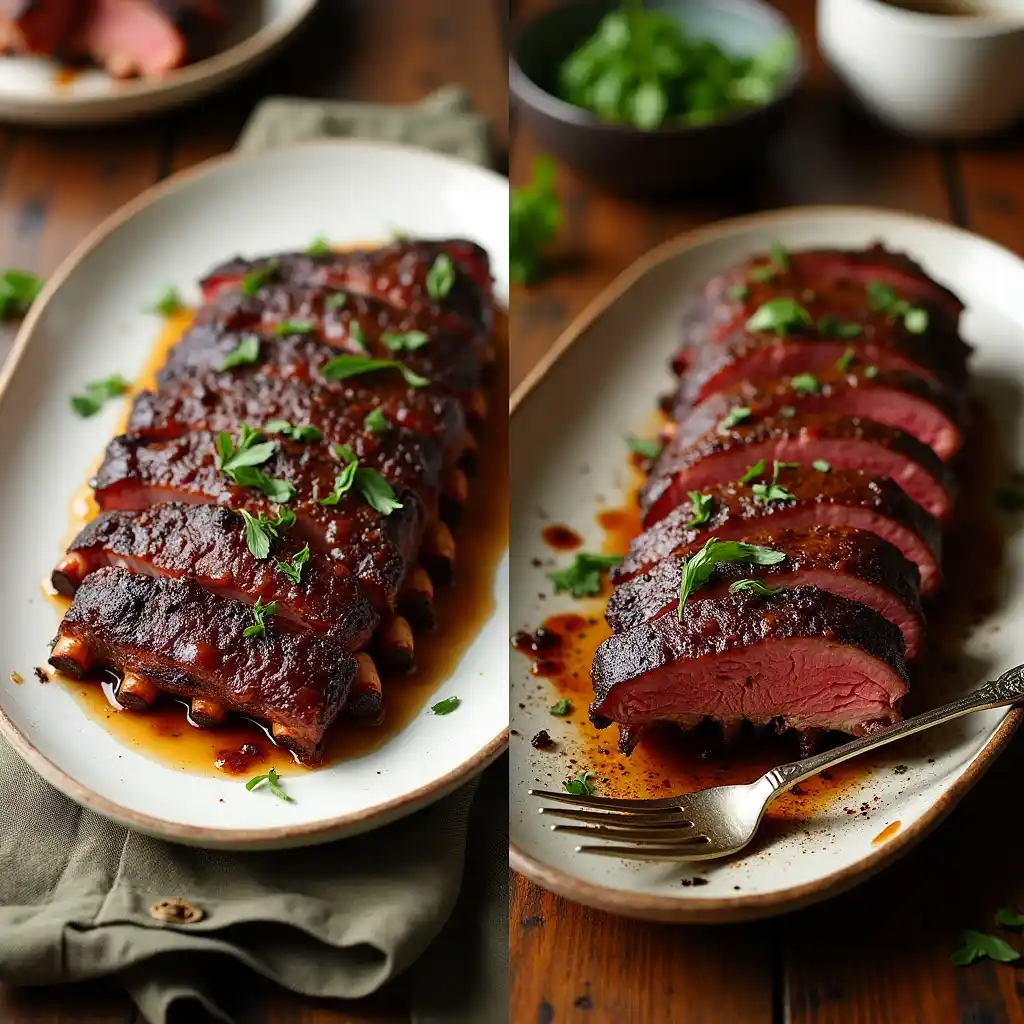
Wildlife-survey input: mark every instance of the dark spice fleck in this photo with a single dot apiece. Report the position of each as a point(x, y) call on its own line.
point(542, 741)
point(901, 769)
point(41, 674)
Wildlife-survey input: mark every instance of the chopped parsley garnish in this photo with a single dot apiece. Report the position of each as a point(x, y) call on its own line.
point(440, 277)
point(805, 384)
point(445, 707)
point(738, 292)
point(781, 316)
point(286, 327)
point(534, 215)
point(1010, 496)
point(255, 279)
point(700, 506)
point(1007, 918)
point(562, 708)
point(343, 483)
point(345, 366)
point(833, 327)
point(273, 781)
point(404, 341)
point(293, 569)
point(240, 463)
point(376, 422)
point(645, 447)
point(318, 247)
point(376, 491)
point(979, 946)
point(303, 432)
point(765, 494)
point(357, 336)
point(698, 567)
point(737, 414)
point(821, 466)
point(883, 299)
point(259, 627)
point(752, 586)
point(762, 274)
point(787, 411)
point(261, 531)
point(336, 301)
point(97, 392)
point(844, 362)
point(245, 353)
point(579, 785)
point(168, 302)
point(752, 472)
point(18, 290)
point(871, 372)
point(779, 256)
point(582, 578)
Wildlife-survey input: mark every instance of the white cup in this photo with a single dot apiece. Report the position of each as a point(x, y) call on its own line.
point(936, 75)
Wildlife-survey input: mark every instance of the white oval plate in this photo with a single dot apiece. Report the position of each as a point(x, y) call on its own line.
point(88, 324)
point(31, 91)
point(569, 419)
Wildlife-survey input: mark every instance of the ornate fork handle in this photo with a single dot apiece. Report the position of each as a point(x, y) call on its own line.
point(1007, 689)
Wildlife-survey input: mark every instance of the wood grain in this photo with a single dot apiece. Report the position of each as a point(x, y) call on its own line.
point(55, 187)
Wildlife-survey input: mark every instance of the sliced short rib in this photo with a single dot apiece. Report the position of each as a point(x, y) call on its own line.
point(934, 415)
point(855, 564)
point(187, 641)
point(805, 658)
point(841, 442)
point(398, 274)
point(207, 544)
point(378, 549)
point(847, 498)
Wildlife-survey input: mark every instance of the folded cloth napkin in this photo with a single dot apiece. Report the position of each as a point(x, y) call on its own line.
point(419, 906)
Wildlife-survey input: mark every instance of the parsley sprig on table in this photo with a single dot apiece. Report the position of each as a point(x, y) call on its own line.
point(97, 393)
point(981, 946)
point(534, 215)
point(582, 578)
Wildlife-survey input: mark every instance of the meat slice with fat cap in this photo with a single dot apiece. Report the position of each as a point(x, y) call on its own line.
point(855, 564)
point(805, 657)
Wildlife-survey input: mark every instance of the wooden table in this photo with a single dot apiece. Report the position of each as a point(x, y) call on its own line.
point(878, 955)
point(56, 186)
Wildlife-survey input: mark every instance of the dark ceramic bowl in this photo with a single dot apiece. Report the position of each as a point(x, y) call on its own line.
point(627, 159)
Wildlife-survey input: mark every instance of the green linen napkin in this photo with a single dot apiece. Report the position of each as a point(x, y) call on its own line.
point(419, 906)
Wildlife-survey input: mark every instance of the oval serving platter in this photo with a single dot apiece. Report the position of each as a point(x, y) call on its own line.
point(90, 323)
point(569, 420)
point(34, 90)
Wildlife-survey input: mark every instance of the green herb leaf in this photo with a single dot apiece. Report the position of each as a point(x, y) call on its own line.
point(345, 366)
point(698, 567)
point(303, 432)
point(783, 316)
point(787, 411)
point(844, 361)
point(916, 320)
point(336, 301)
point(779, 256)
point(260, 531)
point(821, 466)
point(239, 463)
point(18, 290)
point(255, 279)
point(440, 276)
point(979, 946)
point(376, 491)
point(273, 781)
point(833, 327)
point(376, 422)
point(245, 353)
point(319, 247)
point(356, 336)
point(286, 327)
point(737, 414)
point(752, 472)
point(582, 578)
point(97, 392)
point(645, 447)
point(883, 299)
point(753, 586)
point(762, 275)
point(168, 302)
point(259, 627)
point(343, 483)
point(649, 105)
point(446, 706)
point(293, 569)
point(738, 292)
point(805, 384)
point(1007, 918)
point(407, 341)
point(534, 215)
point(765, 494)
point(871, 372)
point(700, 506)
point(579, 785)
point(562, 708)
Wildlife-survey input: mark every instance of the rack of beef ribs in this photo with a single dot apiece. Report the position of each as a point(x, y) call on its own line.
point(276, 516)
point(792, 521)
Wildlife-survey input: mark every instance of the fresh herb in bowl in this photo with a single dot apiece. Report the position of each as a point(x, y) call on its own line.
point(533, 218)
point(641, 68)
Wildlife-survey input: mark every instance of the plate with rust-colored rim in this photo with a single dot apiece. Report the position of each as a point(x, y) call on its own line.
point(89, 323)
point(38, 90)
point(569, 419)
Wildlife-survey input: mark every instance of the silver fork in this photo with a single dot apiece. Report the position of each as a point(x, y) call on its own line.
point(719, 821)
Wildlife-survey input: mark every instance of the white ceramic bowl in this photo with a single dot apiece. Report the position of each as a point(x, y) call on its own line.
point(931, 75)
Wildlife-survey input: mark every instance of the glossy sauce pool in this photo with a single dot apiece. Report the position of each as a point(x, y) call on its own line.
point(242, 747)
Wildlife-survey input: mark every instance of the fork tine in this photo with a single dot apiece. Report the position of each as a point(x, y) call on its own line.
point(690, 851)
point(613, 818)
point(641, 806)
point(622, 832)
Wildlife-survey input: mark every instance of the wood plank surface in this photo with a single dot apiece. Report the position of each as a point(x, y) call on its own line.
point(56, 186)
point(880, 954)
